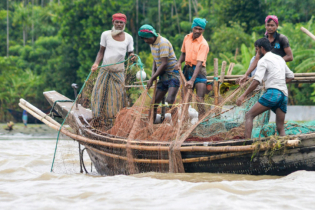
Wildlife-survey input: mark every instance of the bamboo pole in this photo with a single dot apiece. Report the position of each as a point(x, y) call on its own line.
point(42, 114)
point(222, 72)
point(308, 33)
point(216, 83)
point(230, 70)
point(152, 105)
point(215, 149)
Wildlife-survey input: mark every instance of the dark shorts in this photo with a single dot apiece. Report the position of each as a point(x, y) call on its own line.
point(274, 99)
point(168, 79)
point(201, 77)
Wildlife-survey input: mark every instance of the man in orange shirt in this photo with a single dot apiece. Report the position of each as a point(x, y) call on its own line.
point(195, 50)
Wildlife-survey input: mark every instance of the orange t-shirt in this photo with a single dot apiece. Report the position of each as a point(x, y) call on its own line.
point(195, 50)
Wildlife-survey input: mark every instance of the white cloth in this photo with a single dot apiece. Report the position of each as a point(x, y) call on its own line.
point(115, 50)
point(273, 70)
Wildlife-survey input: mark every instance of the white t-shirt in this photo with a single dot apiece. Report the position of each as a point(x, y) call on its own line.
point(273, 70)
point(115, 50)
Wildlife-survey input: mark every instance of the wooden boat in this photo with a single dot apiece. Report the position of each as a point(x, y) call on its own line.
point(256, 157)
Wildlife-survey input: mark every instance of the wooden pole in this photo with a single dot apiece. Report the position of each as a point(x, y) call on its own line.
point(230, 69)
point(222, 72)
point(216, 82)
point(152, 105)
point(308, 33)
point(288, 143)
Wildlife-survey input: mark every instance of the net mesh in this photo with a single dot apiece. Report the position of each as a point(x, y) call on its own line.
point(121, 137)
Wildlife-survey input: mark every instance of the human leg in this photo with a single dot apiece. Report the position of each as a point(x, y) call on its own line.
point(249, 117)
point(201, 91)
point(159, 95)
point(280, 116)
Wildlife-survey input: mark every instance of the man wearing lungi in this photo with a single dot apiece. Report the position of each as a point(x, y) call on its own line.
point(108, 95)
point(273, 70)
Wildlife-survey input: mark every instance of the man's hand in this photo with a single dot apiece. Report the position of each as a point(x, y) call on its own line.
point(94, 67)
point(132, 57)
point(240, 100)
point(190, 84)
point(149, 83)
point(178, 66)
point(241, 79)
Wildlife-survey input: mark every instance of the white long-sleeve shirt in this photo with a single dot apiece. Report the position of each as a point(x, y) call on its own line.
point(273, 70)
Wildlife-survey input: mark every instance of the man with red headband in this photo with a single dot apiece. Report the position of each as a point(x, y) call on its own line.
point(279, 42)
point(108, 95)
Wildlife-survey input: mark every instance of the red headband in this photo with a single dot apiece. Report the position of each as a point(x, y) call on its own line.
point(272, 17)
point(120, 17)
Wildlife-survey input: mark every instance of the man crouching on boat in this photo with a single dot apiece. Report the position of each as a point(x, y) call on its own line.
point(273, 70)
point(163, 65)
point(108, 95)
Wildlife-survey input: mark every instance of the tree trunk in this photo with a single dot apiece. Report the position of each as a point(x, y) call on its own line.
point(177, 20)
point(32, 22)
point(189, 11)
point(24, 35)
point(159, 16)
point(137, 24)
point(143, 9)
point(8, 28)
point(196, 7)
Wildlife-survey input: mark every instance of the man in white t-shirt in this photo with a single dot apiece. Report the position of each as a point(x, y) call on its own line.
point(274, 71)
point(108, 95)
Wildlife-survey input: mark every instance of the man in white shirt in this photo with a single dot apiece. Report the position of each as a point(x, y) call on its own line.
point(108, 95)
point(273, 70)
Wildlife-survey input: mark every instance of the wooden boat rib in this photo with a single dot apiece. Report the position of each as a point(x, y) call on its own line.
point(231, 156)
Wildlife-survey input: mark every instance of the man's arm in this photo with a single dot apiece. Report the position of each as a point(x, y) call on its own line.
point(153, 68)
point(250, 89)
point(159, 71)
point(190, 83)
point(181, 59)
point(98, 59)
point(289, 55)
point(289, 75)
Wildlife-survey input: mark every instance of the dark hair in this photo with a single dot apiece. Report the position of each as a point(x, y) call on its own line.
point(269, 20)
point(256, 43)
point(264, 42)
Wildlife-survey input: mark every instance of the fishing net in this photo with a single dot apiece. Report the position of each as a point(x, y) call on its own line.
point(115, 126)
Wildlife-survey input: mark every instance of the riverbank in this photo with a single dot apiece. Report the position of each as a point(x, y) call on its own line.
point(34, 130)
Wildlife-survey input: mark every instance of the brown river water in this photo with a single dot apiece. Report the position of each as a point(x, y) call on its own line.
point(27, 183)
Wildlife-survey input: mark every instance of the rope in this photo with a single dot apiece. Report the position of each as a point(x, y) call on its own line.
point(52, 108)
point(138, 63)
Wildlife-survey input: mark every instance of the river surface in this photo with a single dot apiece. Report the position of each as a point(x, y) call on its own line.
point(27, 183)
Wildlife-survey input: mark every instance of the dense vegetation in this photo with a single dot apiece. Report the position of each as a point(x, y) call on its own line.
point(53, 43)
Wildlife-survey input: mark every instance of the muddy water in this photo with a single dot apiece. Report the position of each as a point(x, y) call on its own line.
point(26, 183)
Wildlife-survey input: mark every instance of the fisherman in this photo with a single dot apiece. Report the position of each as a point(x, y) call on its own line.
point(273, 70)
point(194, 52)
point(279, 42)
point(108, 95)
point(163, 66)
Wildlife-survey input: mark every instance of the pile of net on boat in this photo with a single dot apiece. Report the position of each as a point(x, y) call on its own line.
point(183, 122)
